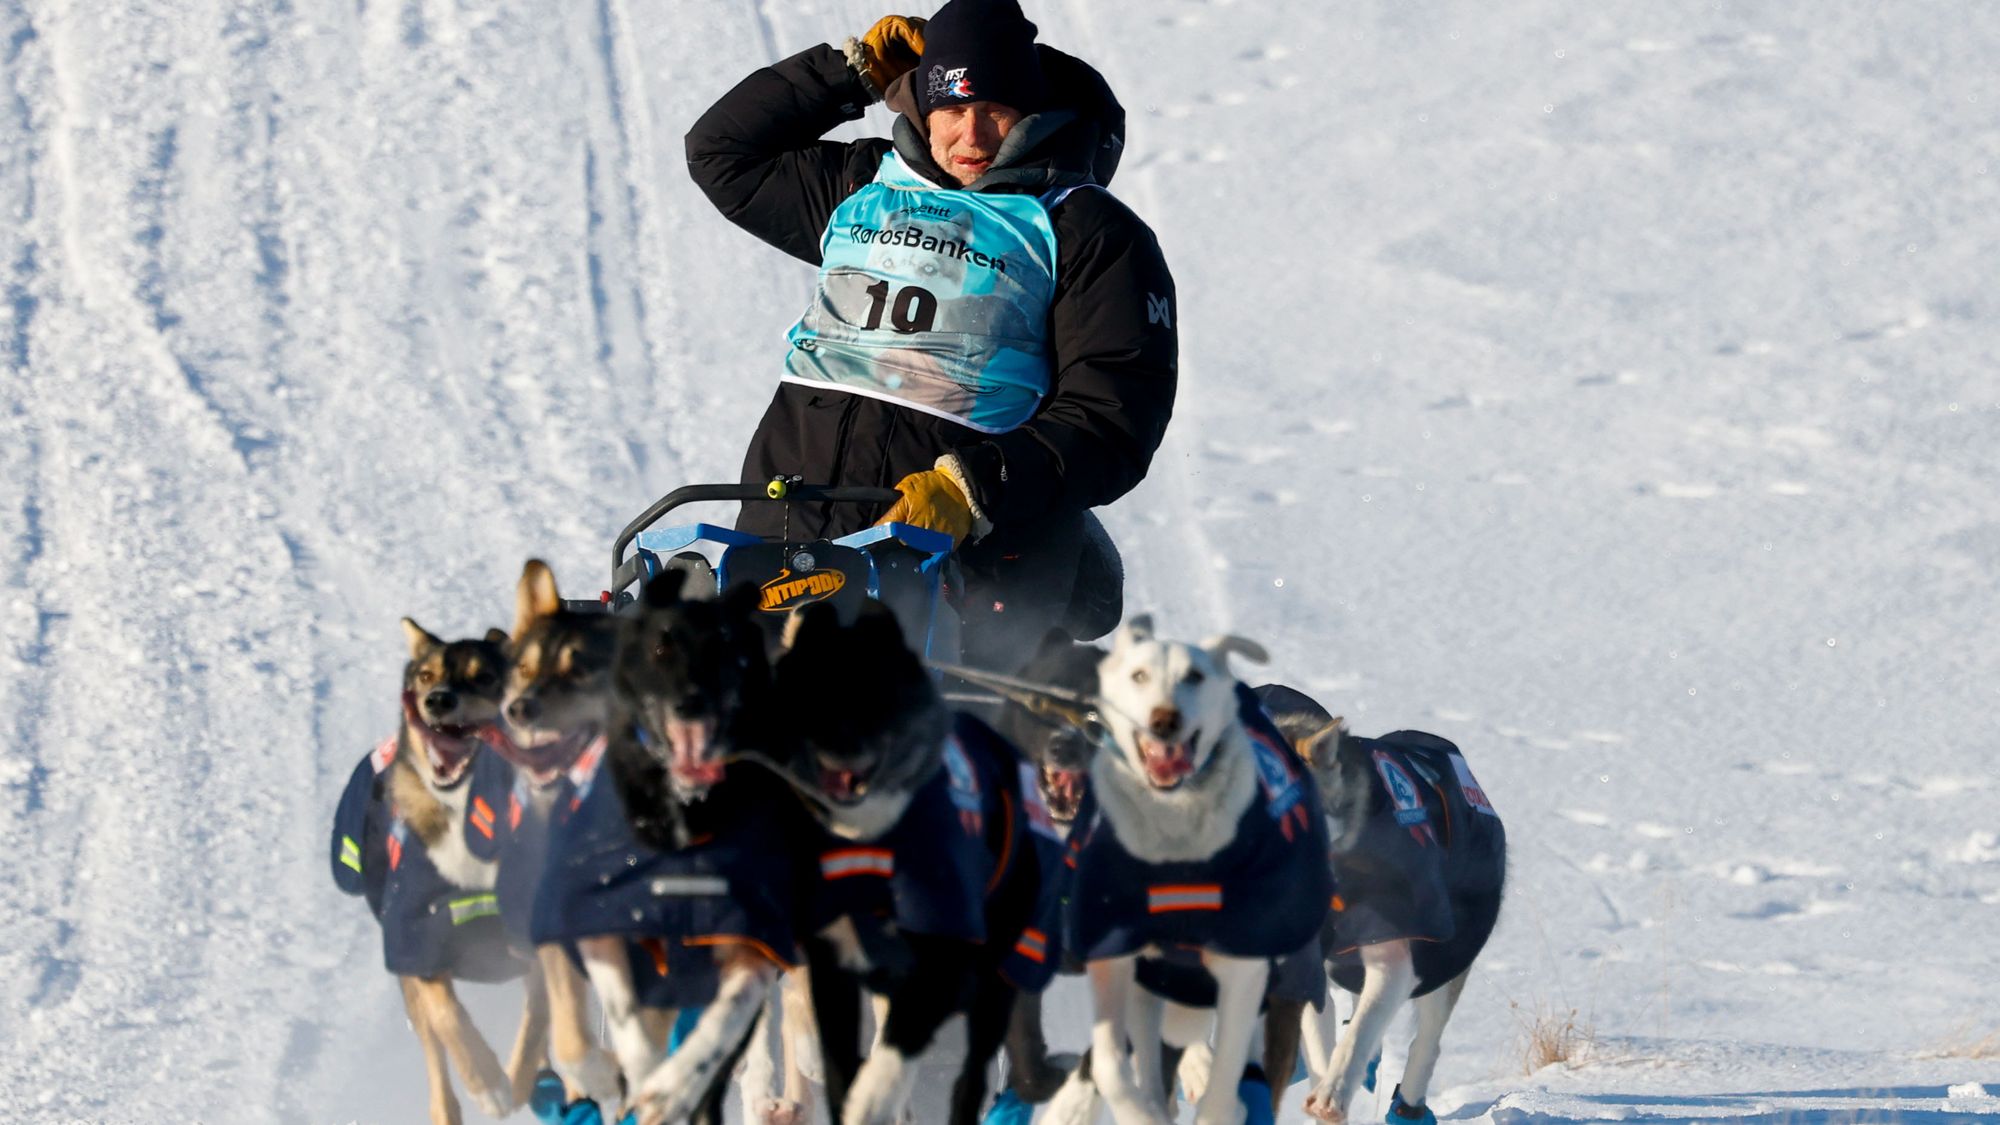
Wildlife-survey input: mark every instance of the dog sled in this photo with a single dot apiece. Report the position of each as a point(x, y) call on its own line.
point(906, 567)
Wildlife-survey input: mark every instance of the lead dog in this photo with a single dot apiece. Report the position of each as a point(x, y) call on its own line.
point(1420, 861)
point(1201, 830)
point(399, 839)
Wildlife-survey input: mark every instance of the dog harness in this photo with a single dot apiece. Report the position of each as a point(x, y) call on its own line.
point(430, 927)
point(1427, 864)
point(933, 298)
point(967, 832)
point(1264, 894)
point(734, 887)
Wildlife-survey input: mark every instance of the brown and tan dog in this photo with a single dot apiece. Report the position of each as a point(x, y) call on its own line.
point(400, 839)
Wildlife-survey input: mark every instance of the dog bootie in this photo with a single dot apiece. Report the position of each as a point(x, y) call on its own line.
point(1255, 1094)
point(1403, 1113)
point(550, 1105)
point(1008, 1109)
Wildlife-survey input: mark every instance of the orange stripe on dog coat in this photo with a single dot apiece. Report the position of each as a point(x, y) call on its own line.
point(1183, 896)
point(1034, 945)
point(857, 861)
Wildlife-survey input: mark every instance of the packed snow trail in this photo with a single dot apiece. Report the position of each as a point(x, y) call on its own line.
point(1607, 387)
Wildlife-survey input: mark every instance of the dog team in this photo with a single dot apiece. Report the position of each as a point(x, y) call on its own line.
point(732, 836)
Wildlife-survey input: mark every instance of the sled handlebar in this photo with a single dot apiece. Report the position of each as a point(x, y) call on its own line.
point(779, 491)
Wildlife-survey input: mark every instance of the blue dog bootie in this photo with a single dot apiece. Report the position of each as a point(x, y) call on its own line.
point(1008, 1109)
point(548, 1101)
point(1255, 1094)
point(1403, 1113)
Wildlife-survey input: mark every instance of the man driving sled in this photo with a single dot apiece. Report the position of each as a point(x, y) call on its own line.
point(992, 332)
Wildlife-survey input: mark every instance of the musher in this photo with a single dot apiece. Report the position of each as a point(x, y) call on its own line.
point(992, 333)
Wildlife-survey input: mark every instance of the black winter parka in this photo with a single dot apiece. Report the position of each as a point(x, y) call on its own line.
point(758, 156)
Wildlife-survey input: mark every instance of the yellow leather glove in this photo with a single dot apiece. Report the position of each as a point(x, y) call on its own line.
point(933, 500)
point(888, 50)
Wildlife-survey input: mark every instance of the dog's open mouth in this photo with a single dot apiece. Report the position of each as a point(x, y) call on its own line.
point(842, 784)
point(692, 759)
point(545, 754)
point(448, 747)
point(1167, 764)
point(1062, 791)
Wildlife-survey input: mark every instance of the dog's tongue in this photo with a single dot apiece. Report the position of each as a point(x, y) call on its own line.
point(1064, 789)
point(691, 745)
point(1167, 763)
point(841, 785)
point(448, 752)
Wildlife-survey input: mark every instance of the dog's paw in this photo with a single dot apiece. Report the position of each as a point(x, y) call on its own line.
point(594, 1076)
point(1196, 1063)
point(781, 1111)
point(1322, 1105)
point(495, 1102)
point(1221, 1110)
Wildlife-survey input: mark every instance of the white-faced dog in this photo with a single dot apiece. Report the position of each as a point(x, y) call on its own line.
point(1203, 831)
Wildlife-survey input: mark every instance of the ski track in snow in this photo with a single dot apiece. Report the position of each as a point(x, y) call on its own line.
point(1605, 387)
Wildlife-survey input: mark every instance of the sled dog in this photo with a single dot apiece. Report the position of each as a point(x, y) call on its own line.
point(725, 844)
point(556, 707)
point(1419, 860)
point(936, 886)
point(1201, 830)
point(399, 839)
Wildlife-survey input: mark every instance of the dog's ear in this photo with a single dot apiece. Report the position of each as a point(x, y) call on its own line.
point(421, 641)
point(536, 596)
point(740, 601)
point(1220, 648)
point(663, 591)
point(1319, 747)
point(877, 622)
point(496, 637)
point(1136, 631)
point(809, 623)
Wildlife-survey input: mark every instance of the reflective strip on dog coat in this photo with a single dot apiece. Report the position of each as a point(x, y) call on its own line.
point(430, 927)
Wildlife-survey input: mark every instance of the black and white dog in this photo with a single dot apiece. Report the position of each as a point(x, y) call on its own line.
point(936, 876)
point(1420, 862)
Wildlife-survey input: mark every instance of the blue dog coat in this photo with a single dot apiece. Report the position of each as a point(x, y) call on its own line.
point(963, 835)
point(1265, 894)
point(1427, 865)
point(734, 887)
point(429, 926)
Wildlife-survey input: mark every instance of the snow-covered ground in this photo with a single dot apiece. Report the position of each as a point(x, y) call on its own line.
point(1612, 386)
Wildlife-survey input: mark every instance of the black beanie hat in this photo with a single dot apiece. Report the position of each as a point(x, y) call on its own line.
point(980, 51)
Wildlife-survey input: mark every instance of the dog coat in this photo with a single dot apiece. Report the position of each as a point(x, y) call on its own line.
point(503, 825)
point(1264, 894)
point(1427, 864)
point(964, 834)
point(430, 927)
point(733, 887)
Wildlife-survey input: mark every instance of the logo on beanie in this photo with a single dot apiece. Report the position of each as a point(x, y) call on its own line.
point(949, 83)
